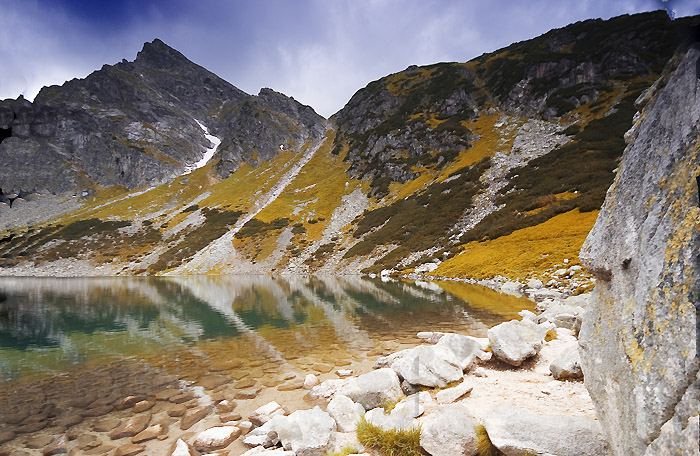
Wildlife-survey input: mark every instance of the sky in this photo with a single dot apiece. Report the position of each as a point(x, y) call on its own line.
point(318, 51)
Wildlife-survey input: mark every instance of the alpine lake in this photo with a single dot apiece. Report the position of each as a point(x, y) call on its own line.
point(75, 352)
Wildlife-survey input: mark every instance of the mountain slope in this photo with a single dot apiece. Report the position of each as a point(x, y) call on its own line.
point(136, 123)
point(496, 166)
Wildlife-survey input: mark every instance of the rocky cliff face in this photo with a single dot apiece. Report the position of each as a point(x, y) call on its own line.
point(135, 123)
point(640, 340)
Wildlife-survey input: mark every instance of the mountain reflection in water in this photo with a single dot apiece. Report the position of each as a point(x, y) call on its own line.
point(53, 325)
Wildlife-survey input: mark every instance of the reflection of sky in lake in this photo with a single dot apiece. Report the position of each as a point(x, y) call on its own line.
point(47, 324)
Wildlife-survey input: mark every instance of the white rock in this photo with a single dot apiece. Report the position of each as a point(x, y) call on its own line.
point(515, 341)
point(427, 267)
point(216, 438)
point(535, 284)
point(343, 372)
point(480, 372)
point(182, 449)
point(329, 387)
point(431, 337)
point(306, 432)
point(450, 395)
point(400, 420)
point(527, 315)
point(449, 432)
point(465, 349)
point(245, 427)
point(427, 365)
point(568, 364)
point(409, 408)
point(511, 287)
point(345, 412)
point(516, 431)
point(261, 451)
point(310, 381)
point(373, 388)
point(265, 413)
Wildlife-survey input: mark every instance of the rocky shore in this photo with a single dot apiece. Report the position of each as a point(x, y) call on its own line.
point(521, 386)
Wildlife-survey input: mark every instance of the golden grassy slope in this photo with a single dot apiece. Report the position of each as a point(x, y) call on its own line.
point(529, 252)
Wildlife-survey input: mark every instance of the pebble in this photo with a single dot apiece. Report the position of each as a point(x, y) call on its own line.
point(58, 446)
point(129, 402)
point(193, 416)
point(149, 433)
point(247, 394)
point(143, 406)
point(106, 425)
point(39, 441)
point(290, 386)
point(130, 427)
point(70, 420)
point(129, 449)
point(247, 383)
point(180, 398)
point(177, 410)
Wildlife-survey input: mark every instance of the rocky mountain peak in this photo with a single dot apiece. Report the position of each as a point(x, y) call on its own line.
point(160, 55)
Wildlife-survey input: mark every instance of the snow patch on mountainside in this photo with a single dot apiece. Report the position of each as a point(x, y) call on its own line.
point(210, 151)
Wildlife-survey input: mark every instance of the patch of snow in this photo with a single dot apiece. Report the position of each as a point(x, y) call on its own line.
point(209, 153)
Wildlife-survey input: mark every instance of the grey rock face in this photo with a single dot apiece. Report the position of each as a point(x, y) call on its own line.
point(449, 431)
point(133, 123)
point(516, 432)
point(515, 341)
point(639, 339)
point(373, 388)
point(567, 365)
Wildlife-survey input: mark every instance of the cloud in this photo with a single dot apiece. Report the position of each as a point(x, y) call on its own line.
point(318, 51)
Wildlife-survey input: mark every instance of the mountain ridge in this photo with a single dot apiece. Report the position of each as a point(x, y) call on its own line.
point(432, 165)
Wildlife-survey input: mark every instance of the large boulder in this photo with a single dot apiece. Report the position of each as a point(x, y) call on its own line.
point(426, 365)
point(449, 431)
point(517, 432)
point(515, 341)
point(305, 432)
point(373, 388)
point(639, 338)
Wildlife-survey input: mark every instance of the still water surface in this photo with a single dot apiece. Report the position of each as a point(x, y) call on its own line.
point(60, 331)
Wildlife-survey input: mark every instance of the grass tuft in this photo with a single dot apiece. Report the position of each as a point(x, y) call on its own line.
point(391, 442)
point(345, 451)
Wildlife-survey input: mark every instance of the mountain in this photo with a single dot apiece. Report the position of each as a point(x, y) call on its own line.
point(136, 123)
point(496, 166)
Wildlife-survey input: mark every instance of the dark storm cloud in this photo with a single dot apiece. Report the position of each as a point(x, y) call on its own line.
point(319, 51)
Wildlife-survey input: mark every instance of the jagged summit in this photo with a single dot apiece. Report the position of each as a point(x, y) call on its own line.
point(135, 123)
point(158, 54)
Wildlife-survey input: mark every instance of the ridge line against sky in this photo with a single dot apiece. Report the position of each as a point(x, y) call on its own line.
point(318, 51)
